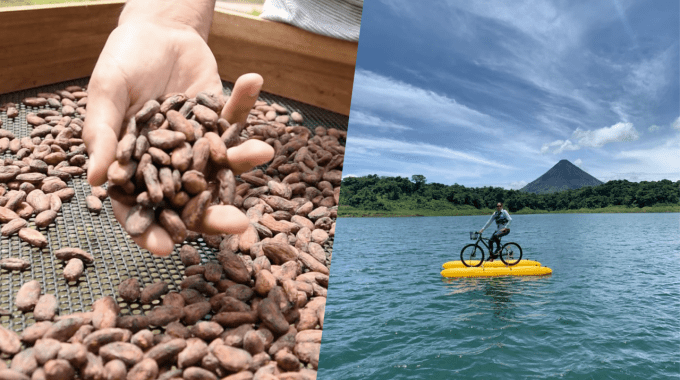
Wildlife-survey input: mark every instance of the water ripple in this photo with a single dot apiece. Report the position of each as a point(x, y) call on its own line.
point(609, 311)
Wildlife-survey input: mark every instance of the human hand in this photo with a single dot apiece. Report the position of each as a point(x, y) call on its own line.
point(143, 61)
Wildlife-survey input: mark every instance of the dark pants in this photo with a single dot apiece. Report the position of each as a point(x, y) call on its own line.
point(496, 237)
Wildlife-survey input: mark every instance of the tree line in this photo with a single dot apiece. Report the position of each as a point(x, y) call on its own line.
point(373, 192)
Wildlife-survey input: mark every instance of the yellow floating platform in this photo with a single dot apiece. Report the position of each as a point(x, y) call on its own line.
point(496, 264)
point(488, 270)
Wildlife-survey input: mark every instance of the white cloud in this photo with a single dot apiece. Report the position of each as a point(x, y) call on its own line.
point(654, 128)
point(387, 96)
point(391, 146)
point(619, 132)
point(558, 146)
point(662, 160)
point(578, 162)
point(358, 117)
point(517, 185)
point(676, 123)
point(618, 109)
point(651, 75)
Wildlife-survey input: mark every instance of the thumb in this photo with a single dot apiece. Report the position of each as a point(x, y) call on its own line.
point(244, 95)
point(108, 100)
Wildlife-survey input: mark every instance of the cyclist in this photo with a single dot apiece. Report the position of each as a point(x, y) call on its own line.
point(502, 218)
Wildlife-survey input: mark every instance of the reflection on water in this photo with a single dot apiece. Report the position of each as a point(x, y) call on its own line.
point(500, 296)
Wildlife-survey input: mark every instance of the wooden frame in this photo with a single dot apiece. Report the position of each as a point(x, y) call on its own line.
point(49, 44)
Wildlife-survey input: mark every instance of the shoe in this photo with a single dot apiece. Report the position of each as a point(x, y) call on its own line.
point(492, 258)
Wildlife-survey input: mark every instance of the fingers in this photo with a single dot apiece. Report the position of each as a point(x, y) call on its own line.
point(222, 219)
point(155, 239)
point(218, 219)
point(249, 154)
point(107, 102)
point(243, 97)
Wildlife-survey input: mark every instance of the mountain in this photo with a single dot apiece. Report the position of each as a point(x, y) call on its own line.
point(563, 176)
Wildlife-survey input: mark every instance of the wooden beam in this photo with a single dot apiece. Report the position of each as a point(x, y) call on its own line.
point(54, 43)
point(49, 44)
point(294, 63)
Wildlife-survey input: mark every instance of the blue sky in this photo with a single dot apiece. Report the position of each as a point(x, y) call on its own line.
point(494, 93)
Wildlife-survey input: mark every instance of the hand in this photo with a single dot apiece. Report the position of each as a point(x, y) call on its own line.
point(143, 61)
point(504, 230)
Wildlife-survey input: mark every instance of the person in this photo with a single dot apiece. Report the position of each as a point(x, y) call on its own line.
point(333, 18)
point(157, 48)
point(503, 219)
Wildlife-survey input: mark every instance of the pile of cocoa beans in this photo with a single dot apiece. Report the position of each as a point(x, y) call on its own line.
point(34, 184)
point(255, 310)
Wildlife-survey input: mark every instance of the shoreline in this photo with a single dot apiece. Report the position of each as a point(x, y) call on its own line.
point(646, 210)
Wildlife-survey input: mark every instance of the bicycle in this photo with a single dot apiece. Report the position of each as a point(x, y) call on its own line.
point(472, 255)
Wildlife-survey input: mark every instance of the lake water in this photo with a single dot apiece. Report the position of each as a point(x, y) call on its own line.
point(610, 310)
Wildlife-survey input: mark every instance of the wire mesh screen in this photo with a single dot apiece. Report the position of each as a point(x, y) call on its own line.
point(117, 257)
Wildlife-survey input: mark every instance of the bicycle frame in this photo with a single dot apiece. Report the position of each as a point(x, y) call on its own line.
point(485, 241)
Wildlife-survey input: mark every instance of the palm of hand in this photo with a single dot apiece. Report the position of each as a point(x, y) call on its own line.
point(144, 61)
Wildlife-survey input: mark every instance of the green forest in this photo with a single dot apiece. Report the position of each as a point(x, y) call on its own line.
point(375, 195)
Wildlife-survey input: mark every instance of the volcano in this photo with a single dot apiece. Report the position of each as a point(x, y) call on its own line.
point(563, 176)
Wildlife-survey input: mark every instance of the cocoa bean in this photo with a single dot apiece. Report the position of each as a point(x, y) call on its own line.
point(158, 156)
point(133, 323)
point(181, 157)
point(129, 290)
point(227, 188)
point(128, 353)
point(98, 192)
point(194, 182)
point(119, 174)
point(139, 219)
point(105, 311)
point(163, 352)
point(32, 333)
point(231, 358)
point(115, 370)
point(73, 270)
point(189, 255)
point(146, 369)
point(152, 182)
point(234, 268)
point(104, 336)
point(93, 204)
point(125, 148)
point(63, 329)
point(33, 237)
point(173, 224)
point(165, 139)
point(69, 253)
point(149, 109)
point(14, 264)
point(195, 350)
point(154, 292)
point(197, 373)
point(241, 292)
point(213, 272)
point(193, 211)
point(167, 182)
point(195, 312)
point(218, 151)
point(59, 369)
point(177, 122)
point(9, 341)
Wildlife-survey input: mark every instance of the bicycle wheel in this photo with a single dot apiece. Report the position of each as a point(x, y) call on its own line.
point(472, 255)
point(511, 253)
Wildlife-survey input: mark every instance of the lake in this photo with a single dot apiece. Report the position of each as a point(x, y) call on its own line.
point(610, 310)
